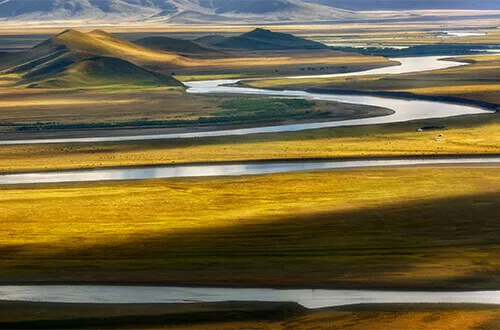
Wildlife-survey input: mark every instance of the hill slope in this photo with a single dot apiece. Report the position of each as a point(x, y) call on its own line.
point(179, 46)
point(73, 59)
point(96, 42)
point(261, 39)
point(103, 71)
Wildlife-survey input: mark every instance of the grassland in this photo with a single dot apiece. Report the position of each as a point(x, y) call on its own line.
point(252, 316)
point(478, 81)
point(391, 228)
point(478, 134)
point(70, 112)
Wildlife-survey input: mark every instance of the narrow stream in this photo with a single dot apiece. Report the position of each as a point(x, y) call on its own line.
point(181, 171)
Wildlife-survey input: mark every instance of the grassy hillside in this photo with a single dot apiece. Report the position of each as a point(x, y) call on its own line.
point(75, 59)
point(102, 43)
point(97, 43)
point(105, 71)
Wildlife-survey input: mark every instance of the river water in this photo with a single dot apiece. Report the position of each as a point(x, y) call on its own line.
point(207, 170)
point(404, 110)
point(306, 297)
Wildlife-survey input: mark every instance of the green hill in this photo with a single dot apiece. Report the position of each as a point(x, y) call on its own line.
point(100, 71)
point(76, 59)
point(97, 43)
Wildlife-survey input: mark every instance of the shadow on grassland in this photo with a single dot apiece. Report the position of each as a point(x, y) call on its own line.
point(431, 244)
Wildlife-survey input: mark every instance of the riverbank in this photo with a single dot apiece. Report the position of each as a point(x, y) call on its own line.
point(400, 95)
point(314, 113)
point(35, 114)
point(258, 315)
point(475, 84)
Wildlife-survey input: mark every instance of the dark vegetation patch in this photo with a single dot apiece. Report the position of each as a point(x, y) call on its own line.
point(234, 111)
point(26, 315)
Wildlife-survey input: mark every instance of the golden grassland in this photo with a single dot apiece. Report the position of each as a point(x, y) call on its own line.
point(423, 227)
point(100, 105)
point(255, 316)
point(479, 134)
point(478, 81)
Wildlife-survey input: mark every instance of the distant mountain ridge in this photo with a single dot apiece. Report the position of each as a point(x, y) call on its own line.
point(168, 10)
point(371, 5)
point(260, 39)
point(217, 11)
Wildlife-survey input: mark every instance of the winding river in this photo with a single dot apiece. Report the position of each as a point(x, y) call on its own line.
point(404, 109)
point(105, 294)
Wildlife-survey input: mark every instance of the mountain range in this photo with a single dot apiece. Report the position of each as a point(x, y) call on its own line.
point(179, 11)
point(360, 5)
point(208, 11)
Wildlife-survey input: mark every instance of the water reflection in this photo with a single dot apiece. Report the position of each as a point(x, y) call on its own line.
point(219, 170)
point(306, 297)
point(408, 65)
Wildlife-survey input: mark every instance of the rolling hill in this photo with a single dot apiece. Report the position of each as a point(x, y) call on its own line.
point(261, 39)
point(76, 59)
point(101, 71)
point(72, 59)
point(96, 42)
